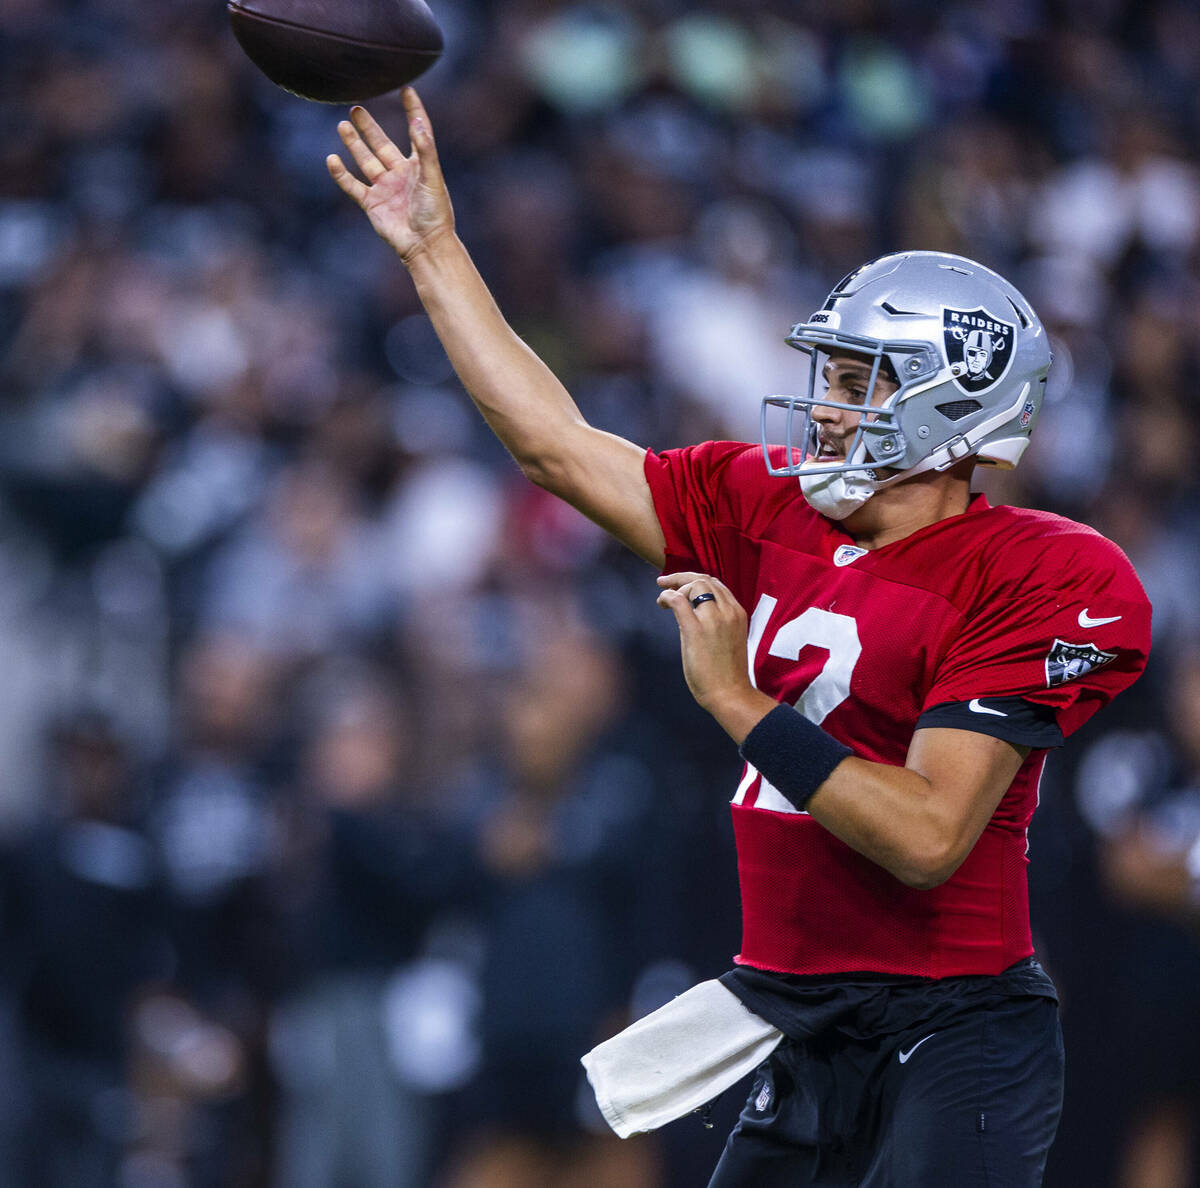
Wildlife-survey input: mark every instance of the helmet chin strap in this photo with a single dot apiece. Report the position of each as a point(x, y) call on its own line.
point(838, 495)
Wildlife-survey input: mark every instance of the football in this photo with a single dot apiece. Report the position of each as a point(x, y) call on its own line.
point(337, 51)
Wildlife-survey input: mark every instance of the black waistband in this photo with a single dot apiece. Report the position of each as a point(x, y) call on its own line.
point(865, 1004)
point(867, 977)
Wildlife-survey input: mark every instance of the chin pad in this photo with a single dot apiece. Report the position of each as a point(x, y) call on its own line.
point(836, 495)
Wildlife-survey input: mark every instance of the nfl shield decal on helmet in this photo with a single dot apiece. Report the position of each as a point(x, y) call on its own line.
point(979, 347)
point(1068, 661)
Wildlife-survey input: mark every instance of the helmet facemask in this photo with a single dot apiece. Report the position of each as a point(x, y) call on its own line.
point(877, 444)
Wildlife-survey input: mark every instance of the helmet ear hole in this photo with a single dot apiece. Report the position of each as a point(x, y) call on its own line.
point(955, 410)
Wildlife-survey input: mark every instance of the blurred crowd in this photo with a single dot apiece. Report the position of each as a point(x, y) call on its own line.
point(349, 790)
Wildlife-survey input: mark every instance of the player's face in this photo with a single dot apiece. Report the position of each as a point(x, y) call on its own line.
point(847, 379)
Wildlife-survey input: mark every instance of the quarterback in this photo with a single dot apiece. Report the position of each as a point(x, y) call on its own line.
point(893, 657)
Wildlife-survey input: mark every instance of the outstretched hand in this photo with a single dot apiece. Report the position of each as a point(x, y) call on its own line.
point(404, 197)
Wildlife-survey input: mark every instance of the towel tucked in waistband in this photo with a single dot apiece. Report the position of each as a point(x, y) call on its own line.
point(677, 1058)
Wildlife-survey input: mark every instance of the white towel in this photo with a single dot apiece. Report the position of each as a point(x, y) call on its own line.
point(674, 1060)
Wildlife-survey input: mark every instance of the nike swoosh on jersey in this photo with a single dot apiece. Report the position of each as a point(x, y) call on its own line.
point(905, 1055)
point(1086, 620)
point(975, 707)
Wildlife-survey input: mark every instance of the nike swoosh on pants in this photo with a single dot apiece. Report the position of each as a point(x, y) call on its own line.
point(905, 1055)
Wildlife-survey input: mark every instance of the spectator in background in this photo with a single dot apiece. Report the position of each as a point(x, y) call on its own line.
point(211, 817)
point(566, 848)
point(1140, 792)
point(86, 937)
point(304, 578)
point(367, 870)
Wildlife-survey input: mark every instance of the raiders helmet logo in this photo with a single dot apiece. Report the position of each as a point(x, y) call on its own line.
point(1068, 661)
point(979, 347)
point(826, 317)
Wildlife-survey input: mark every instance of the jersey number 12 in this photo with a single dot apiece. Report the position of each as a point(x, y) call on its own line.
point(838, 635)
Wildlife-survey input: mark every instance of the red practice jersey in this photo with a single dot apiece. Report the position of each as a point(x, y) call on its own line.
point(963, 623)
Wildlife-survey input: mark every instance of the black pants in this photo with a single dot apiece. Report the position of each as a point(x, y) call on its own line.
point(964, 1099)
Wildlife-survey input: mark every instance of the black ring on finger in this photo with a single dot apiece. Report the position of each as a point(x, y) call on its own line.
point(705, 597)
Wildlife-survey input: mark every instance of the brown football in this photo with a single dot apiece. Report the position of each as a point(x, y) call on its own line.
point(337, 51)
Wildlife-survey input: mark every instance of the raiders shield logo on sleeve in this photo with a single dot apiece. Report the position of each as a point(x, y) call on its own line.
point(979, 347)
point(1068, 661)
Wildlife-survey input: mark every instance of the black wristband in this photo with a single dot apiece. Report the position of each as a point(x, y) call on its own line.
point(792, 753)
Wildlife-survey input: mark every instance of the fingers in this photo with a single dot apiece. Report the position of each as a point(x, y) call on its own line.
point(673, 581)
point(374, 152)
point(371, 166)
point(685, 614)
point(687, 596)
point(421, 135)
point(693, 584)
point(670, 599)
point(683, 600)
point(376, 138)
point(719, 611)
point(346, 181)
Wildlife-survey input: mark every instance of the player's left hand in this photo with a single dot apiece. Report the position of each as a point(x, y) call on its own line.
point(712, 637)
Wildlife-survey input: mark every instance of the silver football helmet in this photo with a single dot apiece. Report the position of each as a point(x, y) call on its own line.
point(969, 357)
